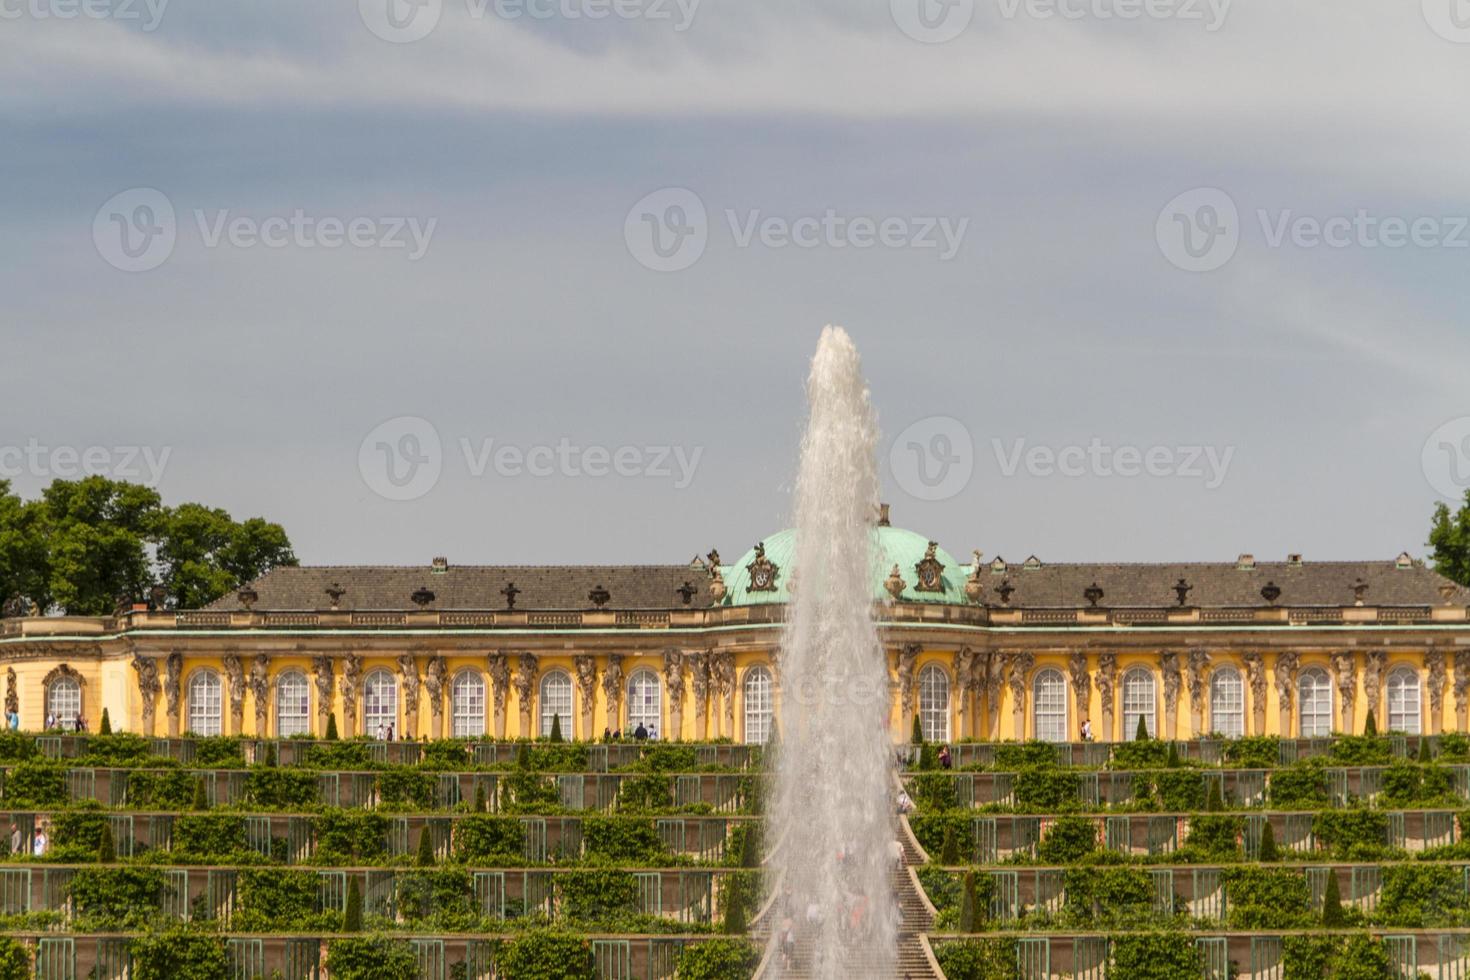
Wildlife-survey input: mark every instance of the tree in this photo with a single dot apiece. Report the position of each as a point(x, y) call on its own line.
point(98, 531)
point(1142, 734)
point(23, 563)
point(1215, 801)
point(104, 727)
point(1332, 917)
point(331, 735)
point(967, 904)
point(1370, 726)
point(1449, 536)
point(426, 849)
point(556, 728)
point(750, 854)
point(15, 960)
point(1425, 754)
point(106, 847)
point(352, 913)
point(949, 850)
point(1172, 761)
point(1267, 853)
point(480, 804)
point(734, 907)
point(203, 553)
point(201, 797)
point(918, 734)
point(270, 754)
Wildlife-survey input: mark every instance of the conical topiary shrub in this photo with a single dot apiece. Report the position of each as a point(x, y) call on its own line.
point(352, 915)
point(1215, 801)
point(104, 727)
point(426, 849)
point(1172, 761)
point(270, 753)
point(1332, 916)
point(918, 736)
point(1425, 755)
point(201, 796)
point(750, 851)
point(928, 757)
point(949, 851)
point(735, 909)
point(1370, 726)
point(480, 805)
point(331, 735)
point(1267, 853)
point(967, 904)
point(106, 848)
point(1142, 734)
point(556, 728)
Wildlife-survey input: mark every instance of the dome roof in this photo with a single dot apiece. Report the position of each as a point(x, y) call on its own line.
point(893, 546)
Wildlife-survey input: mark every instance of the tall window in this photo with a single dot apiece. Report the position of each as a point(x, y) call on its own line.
point(934, 703)
point(756, 694)
point(1314, 702)
point(1227, 702)
point(467, 704)
point(64, 702)
point(293, 704)
point(643, 700)
point(1049, 700)
point(204, 703)
point(1139, 702)
point(380, 704)
point(1403, 701)
point(556, 702)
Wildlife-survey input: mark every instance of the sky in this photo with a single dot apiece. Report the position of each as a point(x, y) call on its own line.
point(538, 281)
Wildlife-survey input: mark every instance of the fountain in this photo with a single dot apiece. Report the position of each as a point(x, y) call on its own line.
point(831, 818)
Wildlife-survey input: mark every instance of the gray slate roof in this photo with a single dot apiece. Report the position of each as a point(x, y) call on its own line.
point(1061, 585)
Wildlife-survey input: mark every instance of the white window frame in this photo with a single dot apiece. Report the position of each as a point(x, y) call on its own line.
point(756, 693)
point(1049, 705)
point(380, 702)
point(1405, 701)
point(556, 702)
point(64, 702)
point(1140, 699)
point(1313, 703)
point(206, 703)
point(1227, 702)
point(645, 700)
point(934, 703)
point(467, 704)
point(293, 704)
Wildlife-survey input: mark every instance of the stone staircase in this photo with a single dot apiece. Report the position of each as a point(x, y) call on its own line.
point(914, 919)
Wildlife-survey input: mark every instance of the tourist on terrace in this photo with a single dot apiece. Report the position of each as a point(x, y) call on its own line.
point(50, 721)
point(905, 803)
point(1087, 729)
point(640, 733)
point(945, 760)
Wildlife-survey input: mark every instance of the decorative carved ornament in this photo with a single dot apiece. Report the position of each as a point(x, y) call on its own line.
point(1018, 668)
point(60, 671)
point(12, 698)
point(895, 583)
point(1255, 672)
point(173, 672)
point(964, 670)
point(674, 675)
point(436, 675)
point(1081, 679)
point(1196, 666)
point(762, 571)
point(585, 666)
point(930, 570)
point(1286, 667)
point(974, 587)
point(599, 596)
point(1169, 668)
point(908, 655)
point(1434, 661)
point(498, 667)
point(1093, 594)
point(1462, 679)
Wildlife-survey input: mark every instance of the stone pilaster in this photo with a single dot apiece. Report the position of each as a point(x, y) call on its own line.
point(525, 684)
point(173, 675)
point(351, 685)
point(148, 688)
point(497, 665)
point(1081, 687)
point(1434, 664)
point(964, 685)
point(321, 669)
point(1285, 669)
point(260, 694)
point(1107, 684)
point(1373, 671)
point(408, 674)
point(612, 690)
point(723, 674)
point(235, 688)
point(1345, 678)
point(908, 656)
point(1462, 688)
point(674, 685)
point(1018, 669)
point(436, 677)
point(1255, 676)
point(1196, 667)
point(1169, 671)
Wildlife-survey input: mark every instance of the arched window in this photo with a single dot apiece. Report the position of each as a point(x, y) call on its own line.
point(64, 702)
point(556, 702)
point(1314, 702)
point(467, 704)
point(380, 705)
point(1403, 701)
point(1139, 702)
point(204, 703)
point(756, 693)
point(293, 704)
point(643, 701)
point(1227, 702)
point(1049, 701)
point(934, 703)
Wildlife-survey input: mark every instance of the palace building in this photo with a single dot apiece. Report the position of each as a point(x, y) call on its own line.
point(979, 650)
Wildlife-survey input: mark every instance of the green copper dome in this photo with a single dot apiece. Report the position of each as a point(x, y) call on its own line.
point(894, 545)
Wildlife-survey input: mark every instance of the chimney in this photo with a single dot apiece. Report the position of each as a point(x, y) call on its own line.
point(883, 515)
point(1294, 560)
point(440, 566)
point(1246, 563)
